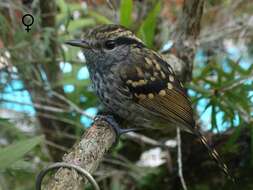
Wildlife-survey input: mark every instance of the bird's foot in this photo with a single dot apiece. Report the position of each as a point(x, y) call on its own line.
point(115, 126)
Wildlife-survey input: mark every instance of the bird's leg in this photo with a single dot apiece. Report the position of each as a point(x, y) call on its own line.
point(115, 126)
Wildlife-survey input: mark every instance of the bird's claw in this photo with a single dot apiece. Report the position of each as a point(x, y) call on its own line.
point(115, 126)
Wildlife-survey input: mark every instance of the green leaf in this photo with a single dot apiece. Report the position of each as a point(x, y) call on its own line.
point(99, 18)
point(126, 7)
point(80, 24)
point(14, 152)
point(237, 67)
point(199, 89)
point(213, 117)
point(147, 29)
point(62, 6)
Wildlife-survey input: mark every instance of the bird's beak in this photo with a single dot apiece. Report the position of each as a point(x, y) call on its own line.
point(78, 43)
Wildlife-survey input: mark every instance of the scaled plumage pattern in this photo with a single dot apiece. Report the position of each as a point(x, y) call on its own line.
point(136, 84)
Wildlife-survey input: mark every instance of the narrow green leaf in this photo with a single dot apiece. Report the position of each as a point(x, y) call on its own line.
point(147, 29)
point(199, 89)
point(126, 7)
point(14, 152)
point(213, 118)
point(207, 70)
point(237, 67)
point(99, 18)
point(80, 24)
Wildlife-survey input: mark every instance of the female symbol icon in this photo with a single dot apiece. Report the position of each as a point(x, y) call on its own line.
point(25, 18)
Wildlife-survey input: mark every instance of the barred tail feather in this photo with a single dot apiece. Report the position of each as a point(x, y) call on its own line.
point(214, 154)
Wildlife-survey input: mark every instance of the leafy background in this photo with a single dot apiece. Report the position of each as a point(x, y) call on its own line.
point(45, 89)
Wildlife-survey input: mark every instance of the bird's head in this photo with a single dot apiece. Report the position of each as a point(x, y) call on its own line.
point(106, 44)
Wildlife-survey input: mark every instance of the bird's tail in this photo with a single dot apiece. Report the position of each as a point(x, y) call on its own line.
point(214, 154)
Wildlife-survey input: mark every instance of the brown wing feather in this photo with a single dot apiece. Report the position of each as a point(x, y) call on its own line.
point(157, 91)
point(173, 109)
point(155, 88)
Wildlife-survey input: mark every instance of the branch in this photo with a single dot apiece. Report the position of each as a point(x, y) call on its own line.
point(188, 26)
point(179, 160)
point(142, 139)
point(87, 154)
point(186, 34)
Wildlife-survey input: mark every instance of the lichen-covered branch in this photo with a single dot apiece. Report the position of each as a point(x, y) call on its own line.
point(87, 154)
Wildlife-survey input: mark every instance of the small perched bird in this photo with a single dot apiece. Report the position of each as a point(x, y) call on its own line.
point(136, 84)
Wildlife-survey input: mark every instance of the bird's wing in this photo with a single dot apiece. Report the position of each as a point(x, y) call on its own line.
point(153, 84)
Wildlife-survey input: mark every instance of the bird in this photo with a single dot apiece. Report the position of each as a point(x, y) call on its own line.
point(136, 84)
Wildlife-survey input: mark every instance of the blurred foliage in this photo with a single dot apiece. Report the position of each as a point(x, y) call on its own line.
point(221, 89)
point(14, 152)
point(126, 7)
point(148, 26)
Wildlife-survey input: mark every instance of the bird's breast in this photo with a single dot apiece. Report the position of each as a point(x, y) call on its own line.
point(110, 92)
point(117, 99)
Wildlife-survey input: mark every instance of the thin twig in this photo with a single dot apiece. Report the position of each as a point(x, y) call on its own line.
point(112, 6)
point(107, 174)
point(64, 134)
point(142, 138)
point(50, 108)
point(59, 118)
point(39, 106)
point(179, 160)
point(36, 105)
point(59, 147)
point(71, 104)
point(116, 162)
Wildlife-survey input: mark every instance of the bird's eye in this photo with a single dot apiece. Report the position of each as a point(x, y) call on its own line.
point(110, 44)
